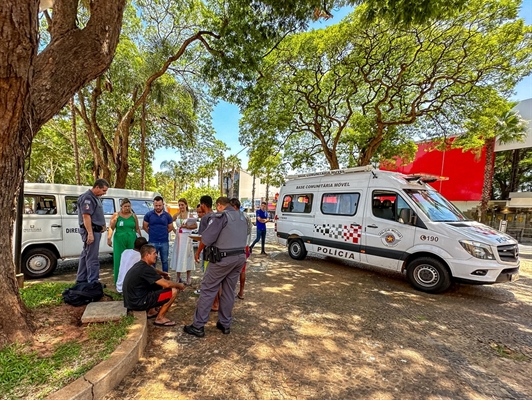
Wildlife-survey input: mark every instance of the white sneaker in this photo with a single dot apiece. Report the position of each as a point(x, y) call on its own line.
point(197, 291)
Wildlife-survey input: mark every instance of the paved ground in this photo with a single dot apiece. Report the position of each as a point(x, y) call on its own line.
point(319, 329)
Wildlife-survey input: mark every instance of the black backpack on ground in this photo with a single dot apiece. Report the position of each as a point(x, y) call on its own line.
point(83, 293)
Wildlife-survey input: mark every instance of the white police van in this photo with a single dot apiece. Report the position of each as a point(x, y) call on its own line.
point(50, 223)
point(393, 221)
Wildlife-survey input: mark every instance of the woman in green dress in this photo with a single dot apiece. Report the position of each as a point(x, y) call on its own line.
point(123, 230)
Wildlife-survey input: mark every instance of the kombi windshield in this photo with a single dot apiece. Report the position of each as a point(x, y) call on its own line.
point(435, 206)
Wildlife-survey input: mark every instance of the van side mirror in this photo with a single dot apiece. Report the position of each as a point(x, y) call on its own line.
point(405, 216)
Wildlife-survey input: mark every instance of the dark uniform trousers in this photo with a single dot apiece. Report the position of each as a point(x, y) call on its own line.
point(89, 265)
point(224, 273)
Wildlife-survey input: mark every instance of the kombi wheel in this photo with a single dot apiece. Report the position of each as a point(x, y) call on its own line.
point(296, 249)
point(38, 263)
point(428, 275)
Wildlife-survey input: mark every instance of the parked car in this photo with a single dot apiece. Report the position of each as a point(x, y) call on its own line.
point(252, 216)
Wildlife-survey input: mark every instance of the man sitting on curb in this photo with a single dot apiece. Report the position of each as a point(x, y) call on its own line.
point(129, 258)
point(146, 288)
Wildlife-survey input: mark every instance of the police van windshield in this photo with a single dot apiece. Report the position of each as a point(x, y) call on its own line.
point(435, 206)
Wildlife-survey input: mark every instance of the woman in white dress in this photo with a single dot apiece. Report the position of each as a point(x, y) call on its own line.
point(183, 257)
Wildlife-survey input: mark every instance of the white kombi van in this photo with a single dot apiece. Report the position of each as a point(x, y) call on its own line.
point(50, 223)
point(392, 221)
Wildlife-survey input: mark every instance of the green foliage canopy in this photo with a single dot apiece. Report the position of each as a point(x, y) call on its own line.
point(346, 93)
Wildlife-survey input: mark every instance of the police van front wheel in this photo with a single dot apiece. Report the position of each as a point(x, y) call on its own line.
point(428, 275)
point(296, 249)
point(38, 263)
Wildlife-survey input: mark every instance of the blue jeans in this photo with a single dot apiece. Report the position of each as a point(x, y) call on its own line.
point(162, 250)
point(261, 234)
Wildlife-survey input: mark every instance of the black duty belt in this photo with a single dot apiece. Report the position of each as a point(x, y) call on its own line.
point(95, 228)
point(232, 253)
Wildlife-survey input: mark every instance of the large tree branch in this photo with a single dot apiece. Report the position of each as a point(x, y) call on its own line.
point(73, 58)
point(64, 17)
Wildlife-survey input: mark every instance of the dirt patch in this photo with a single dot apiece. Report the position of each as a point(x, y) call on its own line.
point(56, 325)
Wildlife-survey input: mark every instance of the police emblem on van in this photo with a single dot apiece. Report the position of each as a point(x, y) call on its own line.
point(390, 237)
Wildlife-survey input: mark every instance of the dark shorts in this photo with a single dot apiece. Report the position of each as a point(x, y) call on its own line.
point(158, 298)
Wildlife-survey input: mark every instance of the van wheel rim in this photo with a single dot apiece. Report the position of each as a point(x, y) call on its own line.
point(296, 249)
point(426, 275)
point(38, 263)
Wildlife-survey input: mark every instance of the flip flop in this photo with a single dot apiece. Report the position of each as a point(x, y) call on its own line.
point(241, 298)
point(153, 316)
point(167, 323)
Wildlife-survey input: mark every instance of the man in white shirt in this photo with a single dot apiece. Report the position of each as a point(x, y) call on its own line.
point(128, 259)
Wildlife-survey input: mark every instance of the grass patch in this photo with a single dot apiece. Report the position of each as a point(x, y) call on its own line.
point(506, 352)
point(43, 294)
point(109, 334)
point(24, 373)
point(113, 295)
point(50, 294)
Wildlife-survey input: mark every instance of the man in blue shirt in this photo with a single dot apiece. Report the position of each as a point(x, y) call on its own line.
point(158, 224)
point(262, 218)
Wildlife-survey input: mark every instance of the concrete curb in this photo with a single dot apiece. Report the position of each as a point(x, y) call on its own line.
point(100, 380)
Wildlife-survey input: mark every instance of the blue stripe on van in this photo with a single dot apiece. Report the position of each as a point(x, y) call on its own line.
point(357, 248)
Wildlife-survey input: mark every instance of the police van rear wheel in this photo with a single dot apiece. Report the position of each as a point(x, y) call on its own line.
point(296, 249)
point(428, 275)
point(38, 263)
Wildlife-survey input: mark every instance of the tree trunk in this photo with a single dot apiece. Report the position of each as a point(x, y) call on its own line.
point(488, 178)
point(75, 141)
point(233, 182)
point(372, 147)
point(514, 176)
point(33, 88)
point(221, 177)
point(253, 195)
point(18, 46)
point(121, 148)
point(143, 148)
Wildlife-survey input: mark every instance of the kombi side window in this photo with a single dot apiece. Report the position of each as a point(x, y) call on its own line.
point(108, 206)
point(72, 206)
point(391, 206)
point(297, 203)
point(141, 207)
point(339, 203)
point(29, 205)
point(40, 204)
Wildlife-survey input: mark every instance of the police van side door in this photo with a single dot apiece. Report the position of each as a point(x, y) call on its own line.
point(338, 224)
point(387, 235)
point(72, 238)
point(73, 244)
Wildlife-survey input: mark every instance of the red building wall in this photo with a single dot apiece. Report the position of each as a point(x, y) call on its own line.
point(464, 170)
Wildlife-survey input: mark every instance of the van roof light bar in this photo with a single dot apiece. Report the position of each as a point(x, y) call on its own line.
point(425, 178)
point(365, 168)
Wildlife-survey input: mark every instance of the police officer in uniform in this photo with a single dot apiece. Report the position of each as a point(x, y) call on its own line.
point(225, 241)
point(91, 225)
